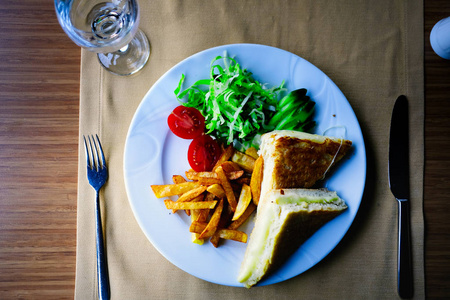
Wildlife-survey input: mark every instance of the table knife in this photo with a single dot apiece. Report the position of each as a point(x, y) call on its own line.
point(399, 184)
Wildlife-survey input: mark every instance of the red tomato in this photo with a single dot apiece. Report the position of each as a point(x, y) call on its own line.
point(203, 153)
point(186, 122)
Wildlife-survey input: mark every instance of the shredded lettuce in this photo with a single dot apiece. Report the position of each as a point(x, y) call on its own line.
point(238, 109)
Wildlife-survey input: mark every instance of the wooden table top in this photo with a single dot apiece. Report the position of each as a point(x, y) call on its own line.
point(39, 114)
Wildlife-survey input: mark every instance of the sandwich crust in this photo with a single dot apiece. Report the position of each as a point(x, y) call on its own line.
point(300, 160)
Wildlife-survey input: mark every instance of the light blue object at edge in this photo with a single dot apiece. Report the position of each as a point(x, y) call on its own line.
point(440, 38)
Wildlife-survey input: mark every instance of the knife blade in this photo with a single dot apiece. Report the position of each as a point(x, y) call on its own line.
point(399, 184)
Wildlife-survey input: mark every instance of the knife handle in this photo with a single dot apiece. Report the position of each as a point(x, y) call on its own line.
point(405, 279)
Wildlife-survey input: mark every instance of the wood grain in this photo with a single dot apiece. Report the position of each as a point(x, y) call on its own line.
point(437, 160)
point(39, 90)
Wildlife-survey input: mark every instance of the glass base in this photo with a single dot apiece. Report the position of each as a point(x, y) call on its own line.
point(130, 58)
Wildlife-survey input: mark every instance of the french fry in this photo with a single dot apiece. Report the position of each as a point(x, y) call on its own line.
point(256, 179)
point(243, 180)
point(189, 205)
point(208, 177)
point(230, 166)
point(216, 190)
point(209, 196)
point(193, 175)
point(204, 213)
point(167, 190)
point(197, 227)
point(215, 239)
point(208, 181)
point(196, 199)
point(192, 194)
point(245, 161)
point(252, 152)
point(234, 235)
point(225, 220)
point(234, 175)
point(195, 213)
point(213, 222)
point(227, 214)
point(225, 156)
point(244, 200)
point(178, 179)
point(227, 188)
point(236, 224)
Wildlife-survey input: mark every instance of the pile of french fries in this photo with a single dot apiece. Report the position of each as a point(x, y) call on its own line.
point(220, 201)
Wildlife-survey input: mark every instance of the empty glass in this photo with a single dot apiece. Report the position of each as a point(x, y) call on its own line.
point(109, 28)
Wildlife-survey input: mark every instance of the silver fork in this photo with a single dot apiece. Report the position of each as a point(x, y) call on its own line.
point(97, 174)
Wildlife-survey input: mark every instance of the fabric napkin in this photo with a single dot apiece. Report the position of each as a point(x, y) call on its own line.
point(372, 50)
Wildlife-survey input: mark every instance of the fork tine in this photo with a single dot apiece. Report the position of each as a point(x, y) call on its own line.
point(101, 152)
point(88, 159)
point(96, 157)
point(93, 154)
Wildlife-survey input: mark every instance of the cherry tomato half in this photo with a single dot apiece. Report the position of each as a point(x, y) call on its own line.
point(186, 122)
point(203, 153)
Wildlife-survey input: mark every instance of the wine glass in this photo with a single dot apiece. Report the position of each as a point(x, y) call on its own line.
point(109, 28)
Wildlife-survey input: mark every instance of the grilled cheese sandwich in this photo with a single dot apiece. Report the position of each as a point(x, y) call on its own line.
point(289, 211)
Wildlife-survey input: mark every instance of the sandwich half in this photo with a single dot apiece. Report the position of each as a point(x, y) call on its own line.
point(294, 159)
point(285, 220)
point(289, 212)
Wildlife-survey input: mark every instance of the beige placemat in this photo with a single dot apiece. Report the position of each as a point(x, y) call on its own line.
point(373, 50)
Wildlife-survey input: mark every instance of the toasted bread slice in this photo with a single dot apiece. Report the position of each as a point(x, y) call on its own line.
point(294, 159)
point(285, 220)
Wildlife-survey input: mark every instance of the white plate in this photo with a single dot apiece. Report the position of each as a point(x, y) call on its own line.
point(153, 154)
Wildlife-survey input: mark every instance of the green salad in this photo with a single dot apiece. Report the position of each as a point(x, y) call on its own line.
point(238, 109)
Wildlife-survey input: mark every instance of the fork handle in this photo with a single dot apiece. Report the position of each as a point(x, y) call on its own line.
point(102, 267)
